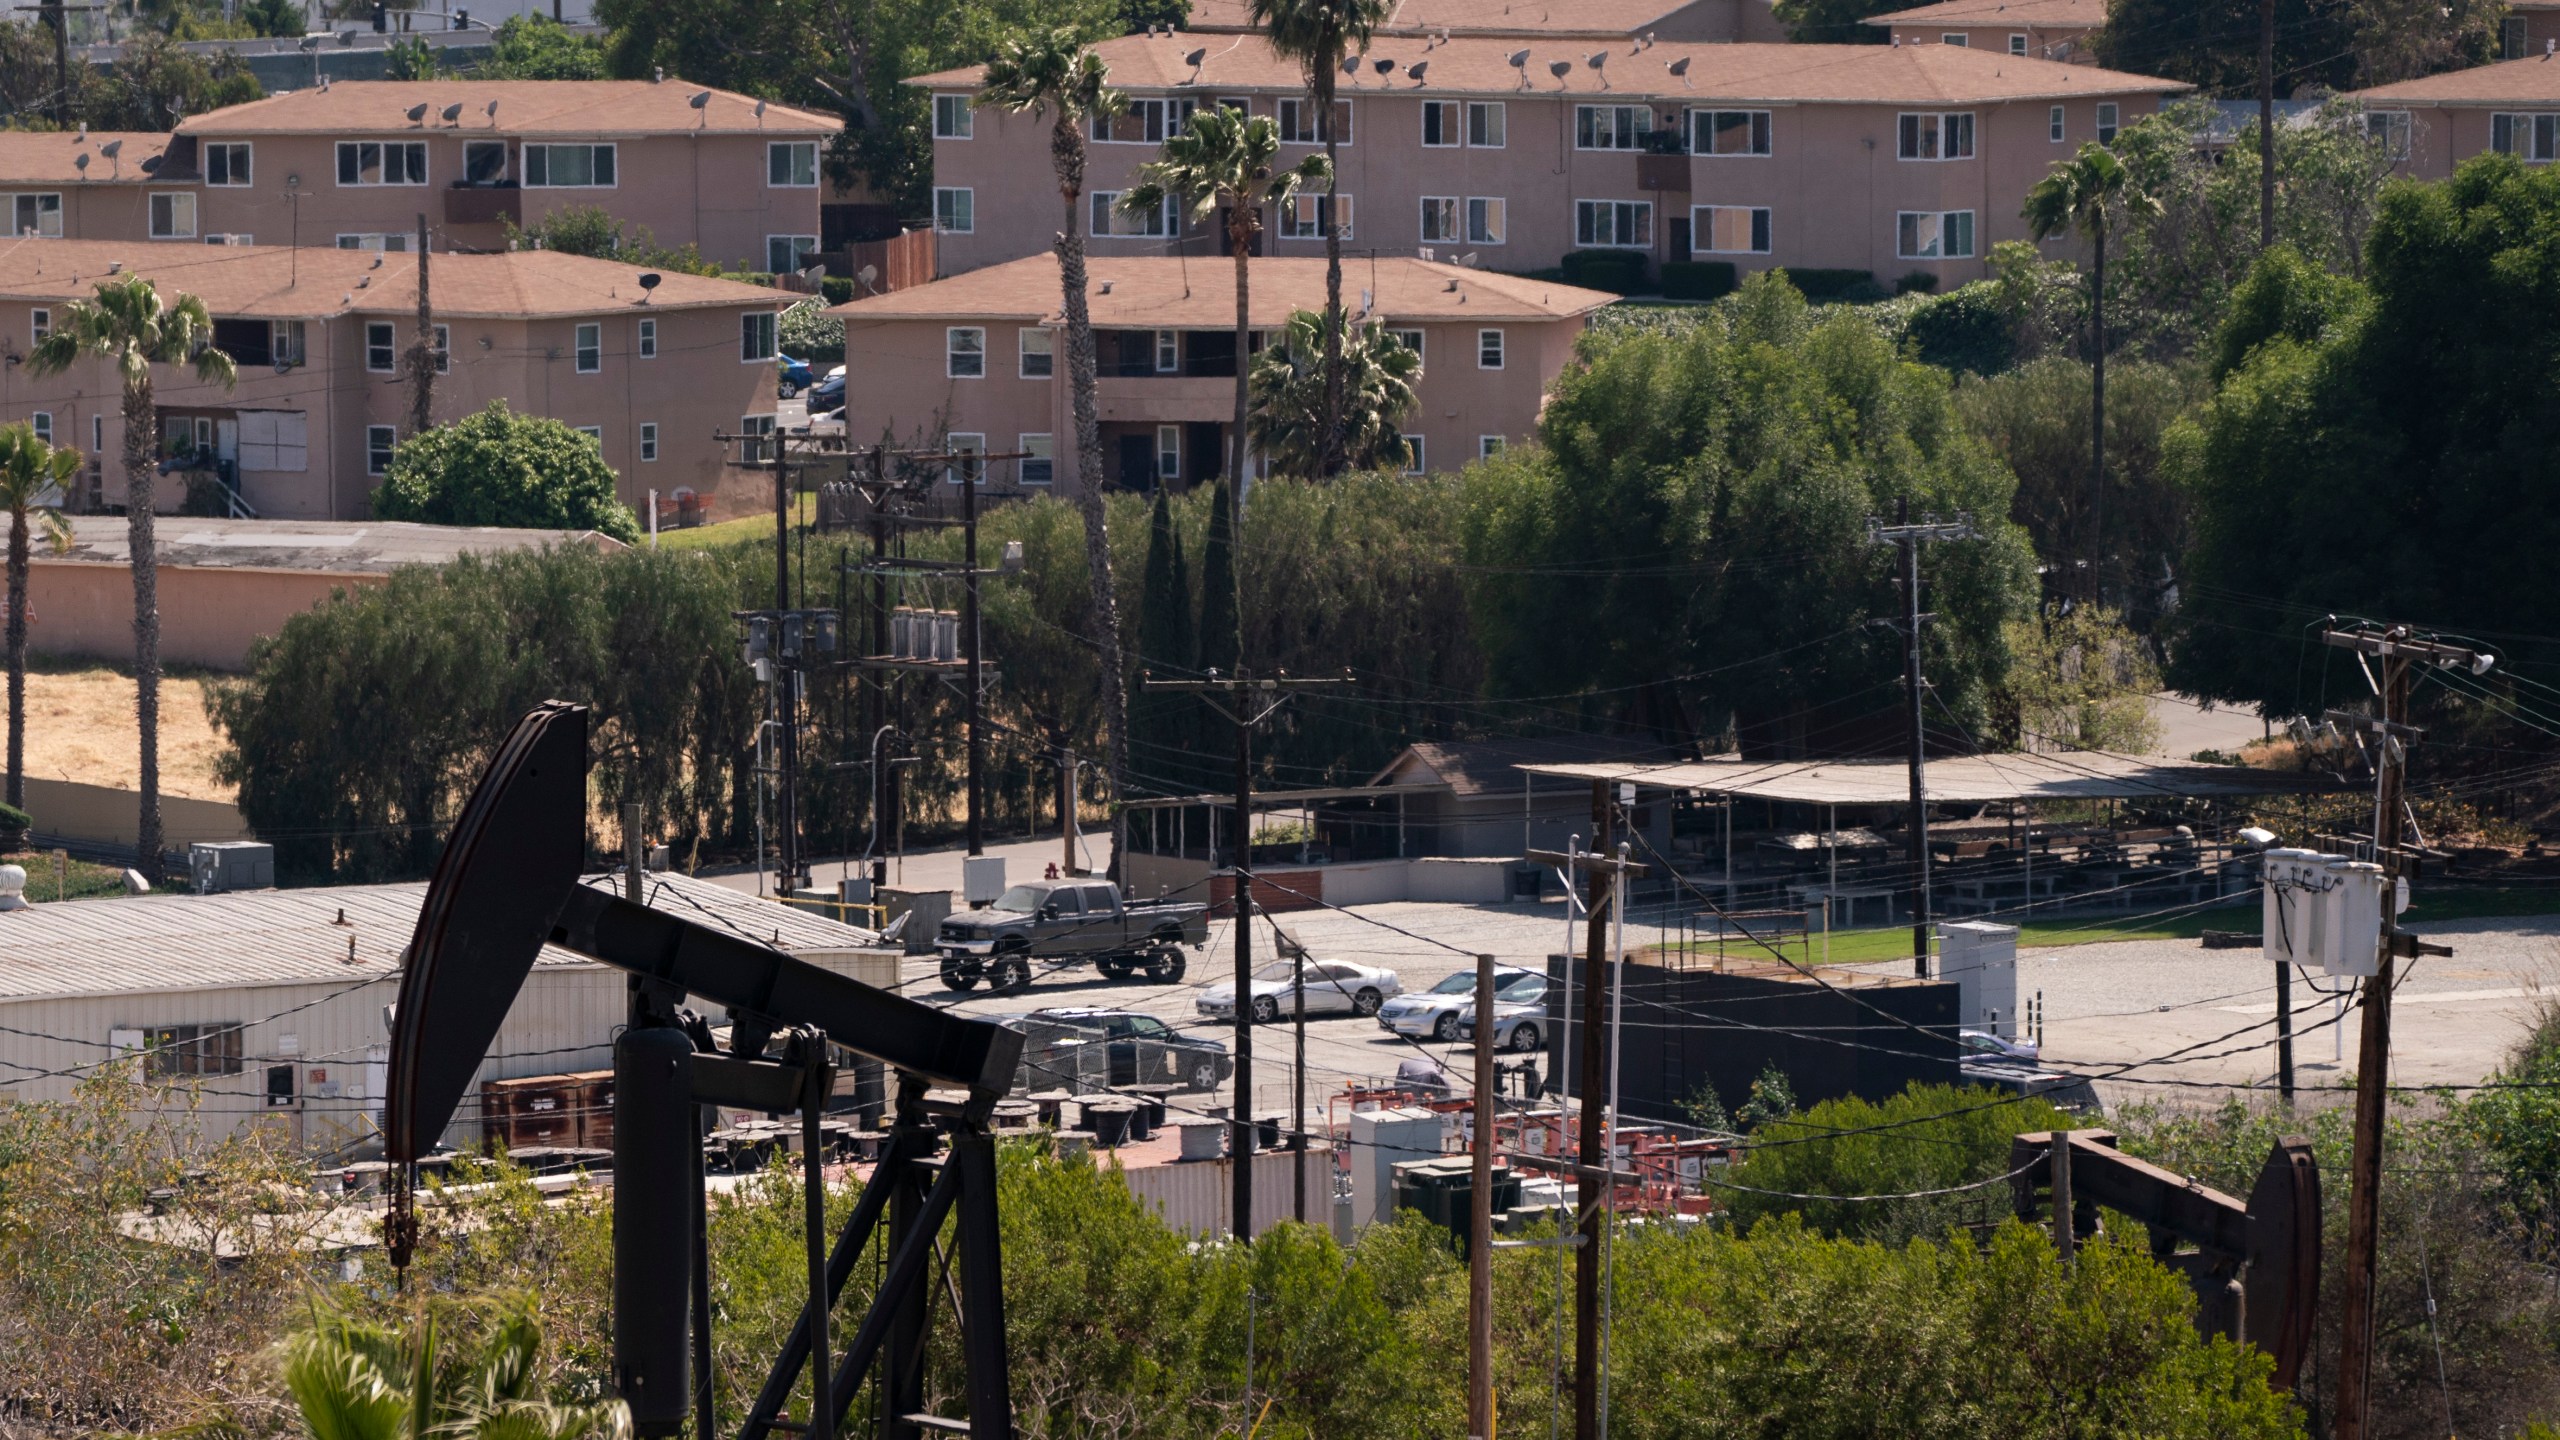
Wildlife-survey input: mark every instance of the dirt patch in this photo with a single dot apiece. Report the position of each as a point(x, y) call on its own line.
point(80, 727)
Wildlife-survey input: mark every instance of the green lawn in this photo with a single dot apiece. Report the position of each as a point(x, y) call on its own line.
point(755, 526)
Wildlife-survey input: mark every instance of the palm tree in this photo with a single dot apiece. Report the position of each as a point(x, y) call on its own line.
point(1318, 34)
point(1052, 73)
point(2088, 193)
point(33, 475)
point(130, 327)
point(1378, 373)
point(1223, 159)
point(354, 1380)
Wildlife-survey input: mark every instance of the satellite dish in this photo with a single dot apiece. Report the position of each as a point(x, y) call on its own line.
point(1350, 64)
point(80, 162)
point(1680, 67)
point(1519, 59)
point(1596, 59)
point(112, 149)
point(700, 100)
point(867, 276)
point(1196, 57)
point(417, 112)
point(1383, 67)
point(491, 110)
point(452, 112)
point(1560, 69)
point(1470, 258)
point(1414, 70)
point(759, 109)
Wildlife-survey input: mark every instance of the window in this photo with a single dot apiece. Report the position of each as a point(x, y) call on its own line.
point(1488, 446)
point(36, 215)
point(1611, 127)
point(756, 338)
point(1109, 219)
point(171, 1051)
point(964, 352)
point(1440, 123)
point(1729, 132)
point(97, 437)
point(173, 216)
point(1168, 351)
point(39, 325)
point(648, 441)
point(226, 163)
point(784, 253)
point(955, 209)
point(204, 434)
point(1488, 349)
point(590, 349)
point(970, 465)
point(1038, 465)
point(2534, 138)
point(2107, 114)
point(2513, 36)
point(43, 422)
point(484, 162)
point(1613, 224)
point(400, 162)
point(2390, 130)
point(1307, 215)
point(1937, 137)
point(1168, 452)
point(757, 433)
point(381, 347)
point(1439, 219)
point(2053, 124)
point(284, 342)
point(1298, 122)
point(2017, 44)
point(1485, 124)
point(395, 244)
point(593, 432)
point(1412, 454)
point(1485, 220)
point(1931, 235)
point(953, 117)
point(569, 167)
point(1035, 353)
point(1145, 122)
point(648, 339)
point(378, 440)
point(444, 349)
point(793, 164)
point(1409, 339)
point(1957, 38)
point(1730, 229)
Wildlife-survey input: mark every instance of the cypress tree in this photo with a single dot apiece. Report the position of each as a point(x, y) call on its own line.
point(1221, 623)
point(1166, 726)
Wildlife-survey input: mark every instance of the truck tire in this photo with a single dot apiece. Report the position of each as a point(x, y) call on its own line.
point(1165, 966)
point(959, 974)
point(1012, 973)
point(1115, 967)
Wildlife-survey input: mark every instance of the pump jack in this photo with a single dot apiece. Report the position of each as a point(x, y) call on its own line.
point(507, 884)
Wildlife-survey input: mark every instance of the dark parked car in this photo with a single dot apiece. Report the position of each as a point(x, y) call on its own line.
point(1140, 1050)
point(827, 394)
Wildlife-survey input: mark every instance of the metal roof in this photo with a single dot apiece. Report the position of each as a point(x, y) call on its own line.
point(1956, 779)
point(357, 547)
point(157, 943)
point(1275, 799)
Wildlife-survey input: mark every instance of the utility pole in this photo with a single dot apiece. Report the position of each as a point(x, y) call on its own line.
point(1911, 537)
point(422, 350)
point(2284, 1031)
point(976, 699)
point(1480, 1221)
point(2266, 123)
point(1243, 692)
point(786, 703)
point(2066, 1234)
point(2391, 733)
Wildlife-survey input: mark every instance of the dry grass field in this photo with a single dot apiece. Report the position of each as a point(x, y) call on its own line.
point(80, 727)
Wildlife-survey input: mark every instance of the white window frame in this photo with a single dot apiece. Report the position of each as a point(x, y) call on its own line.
point(755, 432)
point(1488, 219)
point(413, 149)
point(648, 340)
point(1039, 448)
point(964, 362)
point(648, 442)
point(1024, 351)
point(1451, 117)
point(1105, 204)
point(1413, 340)
point(1303, 218)
point(1634, 210)
point(1931, 132)
point(1760, 131)
point(1296, 117)
point(2017, 42)
point(1496, 349)
point(42, 420)
point(955, 209)
point(1413, 461)
point(2056, 125)
point(954, 117)
point(965, 443)
point(1758, 218)
point(759, 337)
point(504, 163)
point(33, 202)
point(1168, 452)
point(1488, 446)
point(379, 441)
point(389, 348)
point(586, 350)
point(1588, 129)
point(286, 342)
point(797, 250)
point(1488, 118)
point(39, 324)
point(2393, 128)
point(789, 152)
point(592, 147)
point(592, 432)
point(1444, 210)
point(389, 244)
point(2532, 137)
point(1149, 118)
point(172, 197)
point(233, 175)
point(1168, 352)
point(1938, 246)
point(1960, 39)
point(2110, 121)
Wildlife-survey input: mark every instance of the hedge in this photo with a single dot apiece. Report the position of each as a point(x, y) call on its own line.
point(1697, 279)
point(1620, 272)
point(1851, 286)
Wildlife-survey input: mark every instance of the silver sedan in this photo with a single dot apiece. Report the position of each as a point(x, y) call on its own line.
point(1333, 987)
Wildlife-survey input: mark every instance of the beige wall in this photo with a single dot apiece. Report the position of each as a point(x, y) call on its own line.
point(89, 211)
point(207, 617)
point(2442, 137)
point(2045, 42)
point(695, 386)
point(1832, 181)
point(105, 815)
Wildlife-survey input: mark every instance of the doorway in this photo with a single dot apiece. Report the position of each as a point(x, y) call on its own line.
point(1204, 454)
point(1138, 462)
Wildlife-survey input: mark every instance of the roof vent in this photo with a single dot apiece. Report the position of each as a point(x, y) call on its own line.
point(13, 888)
point(1106, 287)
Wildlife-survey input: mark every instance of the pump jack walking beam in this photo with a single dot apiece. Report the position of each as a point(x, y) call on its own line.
point(508, 884)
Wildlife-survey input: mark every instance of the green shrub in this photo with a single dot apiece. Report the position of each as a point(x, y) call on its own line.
point(1917, 282)
point(1853, 286)
point(809, 333)
point(1697, 279)
point(1620, 272)
point(837, 289)
point(1965, 329)
point(501, 468)
point(14, 825)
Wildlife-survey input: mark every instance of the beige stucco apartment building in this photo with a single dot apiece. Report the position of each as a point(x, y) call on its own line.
point(1722, 21)
point(2045, 29)
point(1888, 159)
point(80, 183)
point(317, 337)
point(978, 360)
point(2434, 124)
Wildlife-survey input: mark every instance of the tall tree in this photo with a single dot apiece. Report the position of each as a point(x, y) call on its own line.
point(33, 476)
point(1318, 34)
point(1051, 73)
point(1837, 22)
point(2090, 193)
point(1221, 633)
point(1290, 392)
point(131, 328)
point(1223, 160)
point(1165, 646)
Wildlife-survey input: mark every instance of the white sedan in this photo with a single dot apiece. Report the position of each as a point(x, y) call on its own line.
point(1333, 987)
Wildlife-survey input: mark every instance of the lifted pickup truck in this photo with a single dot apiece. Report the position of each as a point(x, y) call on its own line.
point(1063, 922)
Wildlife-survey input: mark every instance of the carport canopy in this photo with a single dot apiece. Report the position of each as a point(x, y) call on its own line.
point(1954, 779)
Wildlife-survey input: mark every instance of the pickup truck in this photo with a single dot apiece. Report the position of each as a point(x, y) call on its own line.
point(1064, 922)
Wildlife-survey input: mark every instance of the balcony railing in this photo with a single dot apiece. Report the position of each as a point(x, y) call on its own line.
point(483, 205)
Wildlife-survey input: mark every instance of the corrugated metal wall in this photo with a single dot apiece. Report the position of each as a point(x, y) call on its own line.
point(1197, 1197)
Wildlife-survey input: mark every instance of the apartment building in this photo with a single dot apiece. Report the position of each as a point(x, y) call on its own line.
point(2528, 28)
point(2435, 123)
point(321, 398)
point(355, 165)
point(2045, 29)
point(1723, 21)
point(88, 184)
point(1889, 159)
point(975, 360)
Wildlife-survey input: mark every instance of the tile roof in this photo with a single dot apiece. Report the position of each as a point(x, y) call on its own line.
point(1162, 290)
point(1480, 65)
point(272, 281)
point(523, 107)
point(31, 157)
point(2090, 14)
point(1618, 18)
point(2533, 80)
point(156, 943)
point(338, 547)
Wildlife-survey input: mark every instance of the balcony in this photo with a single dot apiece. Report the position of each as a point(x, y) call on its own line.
point(1663, 172)
point(1164, 399)
point(483, 205)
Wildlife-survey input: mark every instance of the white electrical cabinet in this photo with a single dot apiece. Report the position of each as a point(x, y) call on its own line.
point(1982, 958)
point(2322, 910)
